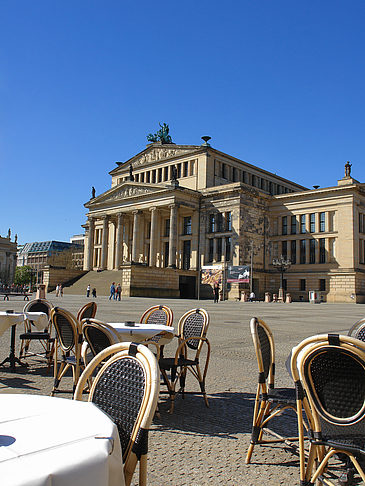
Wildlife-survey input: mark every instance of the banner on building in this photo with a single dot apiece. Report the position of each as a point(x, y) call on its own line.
point(211, 274)
point(238, 274)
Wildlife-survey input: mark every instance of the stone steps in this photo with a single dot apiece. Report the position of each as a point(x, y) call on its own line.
point(99, 280)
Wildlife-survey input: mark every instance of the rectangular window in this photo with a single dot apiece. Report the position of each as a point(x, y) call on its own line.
point(284, 249)
point(186, 169)
point(302, 224)
point(322, 284)
point(312, 222)
point(302, 250)
point(167, 228)
point(212, 223)
point(160, 174)
point(229, 221)
point(285, 284)
point(284, 225)
point(228, 248)
point(166, 254)
point(302, 284)
point(224, 171)
point(186, 254)
point(148, 177)
point(219, 225)
point(322, 222)
point(234, 174)
point(219, 249)
point(361, 223)
point(322, 250)
point(187, 225)
point(293, 226)
point(211, 250)
point(312, 251)
point(293, 252)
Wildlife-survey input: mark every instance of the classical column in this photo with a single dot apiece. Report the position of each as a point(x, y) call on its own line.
point(223, 249)
point(214, 249)
point(173, 236)
point(104, 243)
point(90, 249)
point(135, 248)
point(119, 240)
point(153, 237)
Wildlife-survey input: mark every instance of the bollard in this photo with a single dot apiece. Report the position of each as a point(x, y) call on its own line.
point(41, 291)
point(267, 297)
point(288, 299)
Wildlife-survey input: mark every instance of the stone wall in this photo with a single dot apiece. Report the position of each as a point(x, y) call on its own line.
point(54, 276)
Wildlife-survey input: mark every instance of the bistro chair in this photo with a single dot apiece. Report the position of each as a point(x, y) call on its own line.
point(329, 374)
point(44, 337)
point(192, 330)
point(69, 341)
point(158, 314)
point(358, 330)
point(126, 388)
point(269, 401)
point(98, 336)
point(87, 311)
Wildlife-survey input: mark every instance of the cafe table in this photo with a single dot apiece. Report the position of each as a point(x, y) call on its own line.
point(139, 332)
point(46, 441)
point(10, 319)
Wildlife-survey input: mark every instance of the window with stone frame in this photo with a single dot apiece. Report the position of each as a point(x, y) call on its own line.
point(284, 249)
point(228, 248)
point(312, 222)
point(293, 252)
point(228, 221)
point(312, 251)
point(186, 254)
point(212, 223)
point(361, 223)
point(219, 249)
point(322, 284)
point(219, 222)
point(167, 227)
point(293, 225)
point(302, 284)
point(303, 247)
point(166, 254)
point(284, 225)
point(224, 170)
point(322, 250)
point(187, 225)
point(302, 224)
point(210, 249)
point(322, 222)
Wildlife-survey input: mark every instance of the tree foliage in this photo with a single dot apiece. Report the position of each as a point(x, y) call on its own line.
point(23, 275)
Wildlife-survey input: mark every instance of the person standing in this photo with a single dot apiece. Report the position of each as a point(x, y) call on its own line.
point(57, 290)
point(93, 293)
point(119, 291)
point(112, 291)
point(252, 296)
point(216, 292)
point(88, 288)
point(61, 290)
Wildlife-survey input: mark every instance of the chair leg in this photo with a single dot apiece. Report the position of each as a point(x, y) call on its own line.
point(143, 470)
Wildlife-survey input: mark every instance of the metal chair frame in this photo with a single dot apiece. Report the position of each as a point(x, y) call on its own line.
point(122, 366)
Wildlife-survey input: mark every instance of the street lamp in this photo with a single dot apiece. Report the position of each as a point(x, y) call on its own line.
point(281, 264)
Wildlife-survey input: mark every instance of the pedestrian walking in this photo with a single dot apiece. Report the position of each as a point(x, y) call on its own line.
point(61, 291)
point(119, 291)
point(88, 288)
point(112, 291)
point(57, 290)
point(252, 296)
point(216, 292)
point(93, 293)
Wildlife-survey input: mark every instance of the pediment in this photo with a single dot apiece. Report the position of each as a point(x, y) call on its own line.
point(125, 191)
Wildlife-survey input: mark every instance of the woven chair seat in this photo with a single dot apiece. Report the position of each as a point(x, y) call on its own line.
point(352, 444)
point(35, 335)
point(168, 363)
point(282, 395)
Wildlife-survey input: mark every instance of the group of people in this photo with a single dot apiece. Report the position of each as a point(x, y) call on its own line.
point(93, 291)
point(59, 290)
point(115, 291)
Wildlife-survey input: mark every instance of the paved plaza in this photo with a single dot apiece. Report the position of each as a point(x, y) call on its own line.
point(196, 445)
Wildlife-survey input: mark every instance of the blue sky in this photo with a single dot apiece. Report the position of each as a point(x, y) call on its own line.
point(278, 84)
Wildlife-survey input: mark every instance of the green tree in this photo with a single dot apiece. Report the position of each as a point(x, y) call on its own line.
point(23, 275)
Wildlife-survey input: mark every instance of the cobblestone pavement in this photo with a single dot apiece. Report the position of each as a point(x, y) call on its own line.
point(196, 445)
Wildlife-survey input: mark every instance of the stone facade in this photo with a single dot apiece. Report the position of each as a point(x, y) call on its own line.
point(8, 256)
point(173, 208)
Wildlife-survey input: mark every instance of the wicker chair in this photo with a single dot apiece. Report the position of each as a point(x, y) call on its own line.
point(358, 330)
point(329, 373)
point(68, 340)
point(87, 311)
point(192, 330)
point(98, 335)
point(158, 314)
point(44, 337)
point(126, 388)
point(269, 401)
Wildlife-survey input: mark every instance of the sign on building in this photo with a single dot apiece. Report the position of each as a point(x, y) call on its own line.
point(238, 274)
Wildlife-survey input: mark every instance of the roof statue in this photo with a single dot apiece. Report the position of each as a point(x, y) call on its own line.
point(161, 136)
point(131, 176)
point(348, 169)
point(93, 192)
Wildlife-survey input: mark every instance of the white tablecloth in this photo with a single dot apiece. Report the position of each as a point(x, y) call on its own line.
point(46, 441)
point(40, 320)
point(139, 332)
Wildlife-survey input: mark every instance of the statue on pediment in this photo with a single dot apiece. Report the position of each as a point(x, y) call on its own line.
point(348, 169)
point(161, 136)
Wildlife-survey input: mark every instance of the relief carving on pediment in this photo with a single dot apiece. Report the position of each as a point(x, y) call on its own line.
point(129, 192)
point(157, 154)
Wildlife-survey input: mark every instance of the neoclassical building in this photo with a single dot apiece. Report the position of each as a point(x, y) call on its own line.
point(8, 252)
point(173, 209)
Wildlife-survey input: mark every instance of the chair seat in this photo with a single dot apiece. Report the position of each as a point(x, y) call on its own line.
point(282, 395)
point(35, 335)
point(168, 363)
point(354, 444)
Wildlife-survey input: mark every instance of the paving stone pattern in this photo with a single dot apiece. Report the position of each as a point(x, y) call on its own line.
point(196, 445)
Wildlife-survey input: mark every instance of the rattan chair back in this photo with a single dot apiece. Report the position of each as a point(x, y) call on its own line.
point(264, 348)
point(358, 330)
point(331, 371)
point(98, 335)
point(126, 388)
point(158, 314)
point(38, 305)
point(193, 323)
point(67, 328)
point(87, 311)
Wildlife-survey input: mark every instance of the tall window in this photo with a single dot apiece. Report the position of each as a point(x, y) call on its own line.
point(210, 250)
point(361, 223)
point(224, 171)
point(187, 225)
point(322, 222)
point(167, 228)
point(302, 250)
point(312, 251)
point(302, 284)
point(284, 249)
point(284, 225)
point(228, 248)
point(312, 222)
point(186, 254)
point(302, 223)
point(219, 249)
point(166, 254)
point(229, 221)
point(219, 225)
point(186, 168)
point(322, 284)
point(212, 223)
point(293, 252)
point(293, 226)
point(322, 250)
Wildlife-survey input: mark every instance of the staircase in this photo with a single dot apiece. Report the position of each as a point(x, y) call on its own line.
point(101, 281)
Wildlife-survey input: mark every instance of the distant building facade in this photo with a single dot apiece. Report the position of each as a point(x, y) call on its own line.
point(8, 255)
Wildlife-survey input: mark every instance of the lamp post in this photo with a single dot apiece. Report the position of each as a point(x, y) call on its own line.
point(281, 264)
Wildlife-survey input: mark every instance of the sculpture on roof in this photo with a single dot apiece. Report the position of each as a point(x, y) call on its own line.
point(161, 136)
point(93, 192)
point(348, 169)
point(9, 233)
point(131, 176)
